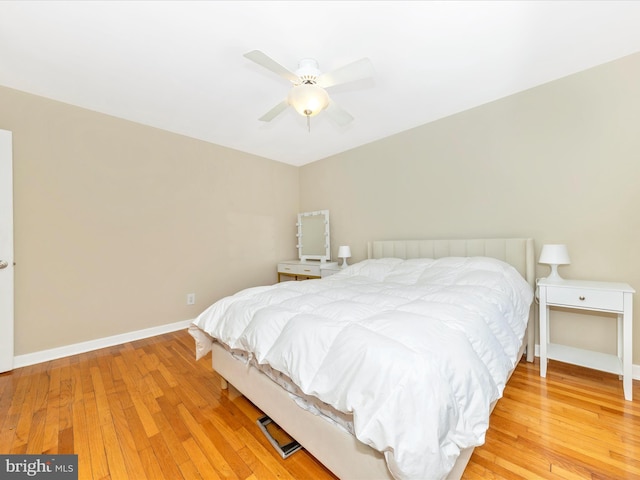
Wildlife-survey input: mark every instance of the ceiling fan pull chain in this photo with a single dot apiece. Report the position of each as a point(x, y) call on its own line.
point(309, 123)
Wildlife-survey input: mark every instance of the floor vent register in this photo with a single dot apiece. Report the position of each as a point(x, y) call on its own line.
point(284, 444)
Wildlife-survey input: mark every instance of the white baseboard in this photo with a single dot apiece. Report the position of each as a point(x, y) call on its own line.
point(83, 347)
point(635, 372)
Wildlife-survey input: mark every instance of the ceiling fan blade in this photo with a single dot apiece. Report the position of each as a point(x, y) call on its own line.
point(357, 70)
point(274, 112)
point(339, 114)
point(267, 62)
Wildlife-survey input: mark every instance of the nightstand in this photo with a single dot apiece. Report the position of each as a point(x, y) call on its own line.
point(303, 270)
point(594, 296)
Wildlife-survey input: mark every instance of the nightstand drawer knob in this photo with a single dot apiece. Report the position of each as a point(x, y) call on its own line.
point(581, 297)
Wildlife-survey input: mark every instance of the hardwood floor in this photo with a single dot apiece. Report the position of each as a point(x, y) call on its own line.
point(147, 409)
point(575, 424)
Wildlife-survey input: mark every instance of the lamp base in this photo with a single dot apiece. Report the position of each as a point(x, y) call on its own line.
point(554, 275)
point(344, 262)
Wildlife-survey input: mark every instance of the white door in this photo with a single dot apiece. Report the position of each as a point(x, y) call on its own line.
point(6, 252)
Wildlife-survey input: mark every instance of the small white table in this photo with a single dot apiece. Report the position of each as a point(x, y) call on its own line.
point(595, 296)
point(305, 269)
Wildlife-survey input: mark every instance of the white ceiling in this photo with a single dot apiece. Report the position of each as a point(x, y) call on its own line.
point(179, 65)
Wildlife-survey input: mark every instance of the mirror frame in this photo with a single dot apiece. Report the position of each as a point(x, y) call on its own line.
point(323, 257)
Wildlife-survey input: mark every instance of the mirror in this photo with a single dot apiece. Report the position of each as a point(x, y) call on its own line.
point(313, 236)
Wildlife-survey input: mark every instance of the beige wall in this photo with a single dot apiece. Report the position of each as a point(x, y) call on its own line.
point(559, 163)
point(116, 222)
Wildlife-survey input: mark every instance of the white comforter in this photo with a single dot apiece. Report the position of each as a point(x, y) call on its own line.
point(416, 350)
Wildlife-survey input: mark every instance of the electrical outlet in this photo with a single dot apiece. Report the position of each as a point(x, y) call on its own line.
point(191, 298)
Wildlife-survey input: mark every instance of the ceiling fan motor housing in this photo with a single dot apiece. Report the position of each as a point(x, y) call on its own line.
point(308, 71)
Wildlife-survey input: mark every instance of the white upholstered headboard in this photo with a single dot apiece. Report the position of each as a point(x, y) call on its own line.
point(518, 252)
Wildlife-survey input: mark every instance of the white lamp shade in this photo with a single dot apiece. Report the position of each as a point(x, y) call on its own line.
point(554, 255)
point(308, 99)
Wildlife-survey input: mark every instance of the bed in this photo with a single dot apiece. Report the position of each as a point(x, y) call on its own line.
point(349, 429)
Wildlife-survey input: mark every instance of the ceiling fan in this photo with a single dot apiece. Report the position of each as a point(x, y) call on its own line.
point(308, 95)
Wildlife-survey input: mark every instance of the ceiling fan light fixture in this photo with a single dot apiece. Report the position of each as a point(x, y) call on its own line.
point(308, 99)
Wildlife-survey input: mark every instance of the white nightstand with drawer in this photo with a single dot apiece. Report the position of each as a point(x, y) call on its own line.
point(302, 270)
point(595, 296)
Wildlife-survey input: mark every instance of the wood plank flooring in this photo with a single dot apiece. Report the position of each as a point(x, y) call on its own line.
point(148, 410)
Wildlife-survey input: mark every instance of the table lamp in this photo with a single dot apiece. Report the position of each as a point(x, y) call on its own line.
point(554, 255)
point(344, 252)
